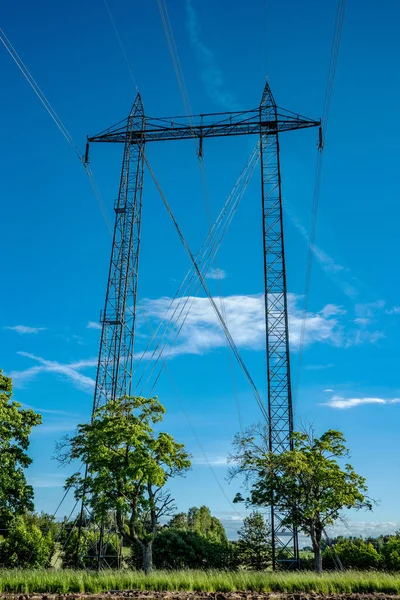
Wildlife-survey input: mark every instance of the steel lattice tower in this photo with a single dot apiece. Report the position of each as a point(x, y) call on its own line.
point(114, 374)
point(114, 371)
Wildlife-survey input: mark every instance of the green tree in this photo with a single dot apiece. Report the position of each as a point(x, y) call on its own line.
point(354, 553)
point(202, 521)
point(26, 545)
point(187, 549)
point(16, 424)
point(191, 540)
point(129, 465)
point(45, 522)
point(254, 545)
point(305, 484)
point(390, 552)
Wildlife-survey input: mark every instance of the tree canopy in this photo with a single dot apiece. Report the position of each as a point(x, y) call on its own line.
point(201, 521)
point(254, 545)
point(16, 424)
point(129, 464)
point(306, 485)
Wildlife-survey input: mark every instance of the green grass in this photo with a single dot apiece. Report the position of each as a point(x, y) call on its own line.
point(60, 581)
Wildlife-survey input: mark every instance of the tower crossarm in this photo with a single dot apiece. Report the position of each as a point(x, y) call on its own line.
point(250, 122)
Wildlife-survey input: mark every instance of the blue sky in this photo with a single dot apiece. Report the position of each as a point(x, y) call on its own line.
point(55, 244)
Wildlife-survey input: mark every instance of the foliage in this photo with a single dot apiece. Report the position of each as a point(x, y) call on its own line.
point(16, 424)
point(178, 549)
point(128, 467)
point(354, 554)
point(254, 548)
point(83, 549)
point(64, 581)
point(191, 540)
point(201, 521)
point(26, 545)
point(306, 484)
point(391, 553)
point(45, 522)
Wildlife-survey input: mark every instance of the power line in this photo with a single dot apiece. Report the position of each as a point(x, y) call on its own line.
point(128, 64)
point(211, 299)
point(339, 19)
point(204, 258)
point(185, 96)
point(169, 34)
point(57, 120)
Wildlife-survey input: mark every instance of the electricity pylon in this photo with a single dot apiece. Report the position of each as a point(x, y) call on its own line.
point(114, 373)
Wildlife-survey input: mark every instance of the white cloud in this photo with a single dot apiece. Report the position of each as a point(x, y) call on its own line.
point(93, 325)
point(339, 274)
point(364, 528)
point(369, 309)
point(216, 274)
point(345, 403)
point(356, 337)
point(48, 480)
point(319, 367)
point(214, 461)
point(24, 329)
point(202, 333)
point(49, 411)
point(233, 522)
point(331, 310)
point(70, 371)
point(328, 390)
point(55, 427)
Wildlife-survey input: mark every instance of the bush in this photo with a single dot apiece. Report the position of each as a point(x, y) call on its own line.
point(354, 554)
point(184, 549)
point(391, 554)
point(26, 546)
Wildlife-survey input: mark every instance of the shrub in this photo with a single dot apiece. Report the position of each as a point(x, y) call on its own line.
point(184, 549)
point(391, 554)
point(26, 546)
point(355, 554)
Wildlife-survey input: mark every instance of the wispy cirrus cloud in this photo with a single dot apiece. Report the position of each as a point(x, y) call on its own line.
point(93, 325)
point(48, 480)
point(216, 274)
point(25, 330)
point(201, 332)
point(50, 411)
point(213, 461)
point(69, 371)
point(339, 274)
point(319, 367)
point(211, 74)
point(395, 310)
point(343, 403)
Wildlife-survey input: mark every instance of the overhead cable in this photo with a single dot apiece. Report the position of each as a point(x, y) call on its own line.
point(177, 312)
point(209, 296)
point(339, 19)
point(56, 119)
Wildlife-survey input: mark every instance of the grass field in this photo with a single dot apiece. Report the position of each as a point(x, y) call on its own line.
point(58, 581)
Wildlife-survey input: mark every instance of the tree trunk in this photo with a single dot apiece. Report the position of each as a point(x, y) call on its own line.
point(316, 536)
point(318, 558)
point(147, 557)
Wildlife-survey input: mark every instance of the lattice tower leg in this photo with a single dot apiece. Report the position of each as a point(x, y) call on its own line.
point(280, 411)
